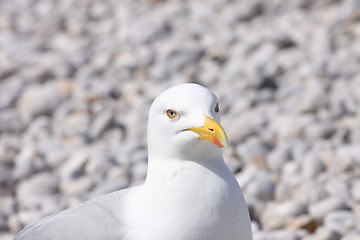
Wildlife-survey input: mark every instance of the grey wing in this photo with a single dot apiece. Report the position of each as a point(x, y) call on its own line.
point(99, 218)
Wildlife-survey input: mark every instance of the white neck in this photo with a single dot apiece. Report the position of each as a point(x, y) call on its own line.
point(164, 171)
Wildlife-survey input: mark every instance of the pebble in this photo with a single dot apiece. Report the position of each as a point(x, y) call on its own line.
point(279, 215)
point(12, 121)
point(100, 123)
point(311, 166)
point(352, 235)
point(339, 221)
point(76, 124)
point(276, 159)
point(39, 100)
point(79, 186)
point(27, 162)
point(355, 190)
point(139, 170)
point(10, 89)
point(8, 204)
point(321, 208)
point(324, 234)
point(261, 187)
point(252, 149)
point(40, 184)
point(305, 222)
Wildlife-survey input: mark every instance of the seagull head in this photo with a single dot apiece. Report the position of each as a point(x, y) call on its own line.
point(184, 123)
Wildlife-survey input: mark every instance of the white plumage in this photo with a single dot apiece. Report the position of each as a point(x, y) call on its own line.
point(189, 192)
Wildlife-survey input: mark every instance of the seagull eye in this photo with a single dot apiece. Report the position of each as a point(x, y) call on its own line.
point(217, 107)
point(171, 113)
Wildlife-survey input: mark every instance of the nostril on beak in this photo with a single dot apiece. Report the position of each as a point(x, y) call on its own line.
point(211, 129)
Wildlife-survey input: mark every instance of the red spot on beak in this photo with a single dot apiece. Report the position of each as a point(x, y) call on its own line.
point(217, 142)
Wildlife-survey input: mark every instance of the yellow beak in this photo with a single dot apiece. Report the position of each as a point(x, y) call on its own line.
point(211, 131)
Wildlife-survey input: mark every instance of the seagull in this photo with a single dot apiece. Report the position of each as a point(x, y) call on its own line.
point(189, 192)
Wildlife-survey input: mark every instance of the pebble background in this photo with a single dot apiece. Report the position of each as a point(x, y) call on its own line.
point(77, 78)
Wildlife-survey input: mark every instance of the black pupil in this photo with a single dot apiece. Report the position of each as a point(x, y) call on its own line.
point(171, 113)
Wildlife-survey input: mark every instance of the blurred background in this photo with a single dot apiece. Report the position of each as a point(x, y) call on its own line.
point(77, 78)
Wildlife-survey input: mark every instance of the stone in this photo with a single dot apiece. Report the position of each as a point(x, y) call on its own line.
point(80, 185)
point(7, 236)
point(40, 184)
point(279, 215)
point(310, 191)
point(100, 123)
point(246, 176)
point(317, 131)
point(339, 186)
point(210, 72)
point(305, 222)
point(355, 190)
point(75, 124)
point(311, 166)
point(74, 167)
point(8, 205)
point(255, 228)
point(339, 221)
point(352, 235)
point(239, 129)
point(321, 208)
point(313, 97)
point(14, 224)
point(251, 149)
point(10, 91)
point(98, 164)
point(38, 130)
point(12, 121)
point(232, 161)
point(324, 234)
point(289, 127)
point(346, 157)
point(139, 170)
point(286, 235)
point(105, 188)
point(261, 187)
point(9, 149)
point(276, 159)
point(38, 100)
point(28, 162)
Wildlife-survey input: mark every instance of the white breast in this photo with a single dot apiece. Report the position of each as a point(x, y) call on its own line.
point(190, 201)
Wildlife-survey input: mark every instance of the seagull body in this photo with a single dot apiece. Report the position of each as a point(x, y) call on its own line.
point(189, 192)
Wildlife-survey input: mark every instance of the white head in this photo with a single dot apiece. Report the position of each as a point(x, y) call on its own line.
point(184, 124)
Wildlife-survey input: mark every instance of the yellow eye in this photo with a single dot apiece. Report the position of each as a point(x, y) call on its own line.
point(171, 113)
point(217, 107)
